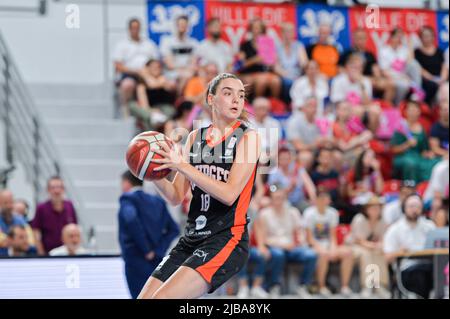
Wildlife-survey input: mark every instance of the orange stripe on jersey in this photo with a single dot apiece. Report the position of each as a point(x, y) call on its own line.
point(210, 268)
point(224, 137)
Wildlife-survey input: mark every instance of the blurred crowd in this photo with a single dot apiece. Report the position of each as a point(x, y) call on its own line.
point(53, 231)
point(361, 150)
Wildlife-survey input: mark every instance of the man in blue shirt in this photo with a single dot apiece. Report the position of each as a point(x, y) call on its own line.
point(7, 219)
point(146, 231)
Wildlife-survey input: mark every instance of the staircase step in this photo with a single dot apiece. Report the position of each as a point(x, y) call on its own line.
point(50, 111)
point(96, 169)
point(86, 129)
point(101, 193)
point(92, 149)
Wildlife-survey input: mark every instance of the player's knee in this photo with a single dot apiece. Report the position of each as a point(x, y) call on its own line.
point(128, 85)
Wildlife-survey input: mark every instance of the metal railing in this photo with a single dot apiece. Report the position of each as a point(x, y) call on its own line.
point(26, 136)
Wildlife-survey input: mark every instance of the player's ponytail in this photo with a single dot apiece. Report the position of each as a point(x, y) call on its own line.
point(214, 84)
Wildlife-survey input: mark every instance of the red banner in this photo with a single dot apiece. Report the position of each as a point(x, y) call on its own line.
point(379, 27)
point(235, 17)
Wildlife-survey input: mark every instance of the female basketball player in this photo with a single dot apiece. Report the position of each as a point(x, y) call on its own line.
point(219, 164)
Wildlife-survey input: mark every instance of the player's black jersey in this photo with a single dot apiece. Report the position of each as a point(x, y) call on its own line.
point(207, 215)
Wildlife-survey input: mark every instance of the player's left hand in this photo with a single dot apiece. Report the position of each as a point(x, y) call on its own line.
point(172, 157)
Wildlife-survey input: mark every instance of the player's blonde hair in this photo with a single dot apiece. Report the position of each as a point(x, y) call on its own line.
point(214, 84)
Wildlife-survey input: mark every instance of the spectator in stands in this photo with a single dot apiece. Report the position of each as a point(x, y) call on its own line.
point(215, 50)
point(291, 57)
point(281, 226)
point(351, 85)
point(180, 122)
point(324, 53)
point(432, 62)
point(178, 51)
point(437, 188)
point(22, 208)
point(294, 179)
point(412, 156)
point(302, 130)
point(7, 219)
point(146, 229)
point(366, 237)
point(409, 235)
point(440, 216)
point(268, 128)
point(71, 238)
point(439, 134)
point(371, 68)
point(312, 84)
point(19, 246)
point(51, 217)
point(259, 255)
point(392, 211)
point(155, 96)
point(348, 137)
point(257, 59)
point(398, 65)
point(196, 86)
point(321, 221)
point(325, 175)
point(365, 178)
point(130, 55)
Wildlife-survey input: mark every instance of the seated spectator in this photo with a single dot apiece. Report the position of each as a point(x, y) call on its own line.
point(324, 174)
point(437, 188)
point(130, 55)
point(215, 50)
point(349, 134)
point(365, 178)
point(51, 216)
point(392, 211)
point(258, 61)
point(71, 238)
point(367, 231)
point(440, 217)
point(7, 219)
point(371, 68)
point(291, 57)
point(320, 222)
point(439, 134)
point(351, 85)
point(312, 84)
point(408, 235)
point(294, 179)
point(268, 128)
point(412, 157)
point(22, 208)
point(259, 255)
point(19, 246)
point(432, 62)
point(398, 65)
point(196, 87)
point(325, 54)
point(180, 122)
point(281, 226)
point(155, 96)
point(302, 129)
point(178, 52)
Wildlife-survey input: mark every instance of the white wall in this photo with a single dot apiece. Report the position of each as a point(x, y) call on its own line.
point(46, 51)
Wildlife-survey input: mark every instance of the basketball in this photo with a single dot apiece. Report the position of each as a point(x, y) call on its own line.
point(139, 157)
